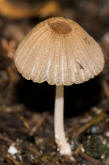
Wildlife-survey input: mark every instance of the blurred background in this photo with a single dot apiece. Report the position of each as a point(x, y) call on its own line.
point(26, 108)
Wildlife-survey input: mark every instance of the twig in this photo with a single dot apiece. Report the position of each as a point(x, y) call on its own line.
point(105, 87)
point(14, 108)
point(25, 123)
point(90, 159)
point(94, 121)
point(10, 158)
point(9, 47)
point(12, 74)
point(38, 124)
point(71, 159)
point(78, 149)
point(6, 139)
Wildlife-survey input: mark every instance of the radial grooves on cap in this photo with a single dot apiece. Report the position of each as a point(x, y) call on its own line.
point(84, 56)
point(22, 54)
point(33, 42)
point(50, 56)
point(68, 55)
point(30, 58)
point(54, 63)
point(60, 52)
point(39, 51)
point(97, 50)
point(90, 54)
point(37, 60)
point(83, 49)
point(65, 62)
point(31, 54)
point(69, 67)
point(73, 66)
point(76, 59)
point(78, 62)
point(91, 48)
point(89, 63)
point(35, 57)
point(73, 59)
point(43, 61)
point(81, 64)
point(99, 56)
point(51, 72)
point(62, 61)
point(48, 59)
point(92, 61)
point(95, 55)
point(58, 63)
point(27, 40)
point(89, 41)
point(61, 75)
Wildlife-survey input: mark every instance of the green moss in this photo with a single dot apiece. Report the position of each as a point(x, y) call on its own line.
point(97, 147)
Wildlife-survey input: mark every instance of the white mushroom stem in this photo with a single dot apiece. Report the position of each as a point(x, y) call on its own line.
point(61, 141)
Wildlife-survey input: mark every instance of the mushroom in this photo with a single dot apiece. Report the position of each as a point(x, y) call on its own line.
point(19, 10)
point(60, 52)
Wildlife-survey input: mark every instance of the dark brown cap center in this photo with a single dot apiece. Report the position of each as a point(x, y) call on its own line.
point(61, 27)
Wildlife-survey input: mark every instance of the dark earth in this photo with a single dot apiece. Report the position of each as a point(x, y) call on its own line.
point(26, 108)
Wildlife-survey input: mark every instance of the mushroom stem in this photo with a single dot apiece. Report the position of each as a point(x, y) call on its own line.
point(61, 141)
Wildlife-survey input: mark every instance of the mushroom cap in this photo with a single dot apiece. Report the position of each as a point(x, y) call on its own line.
point(60, 52)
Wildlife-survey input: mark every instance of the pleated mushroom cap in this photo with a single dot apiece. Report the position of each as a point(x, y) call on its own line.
point(60, 52)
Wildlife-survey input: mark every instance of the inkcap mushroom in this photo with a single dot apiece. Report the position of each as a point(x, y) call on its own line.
point(60, 52)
